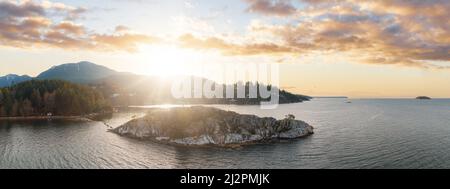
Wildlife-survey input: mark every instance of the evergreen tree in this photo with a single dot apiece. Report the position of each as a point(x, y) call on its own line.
point(36, 100)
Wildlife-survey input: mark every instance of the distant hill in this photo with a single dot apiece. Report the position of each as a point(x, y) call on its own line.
point(12, 79)
point(82, 72)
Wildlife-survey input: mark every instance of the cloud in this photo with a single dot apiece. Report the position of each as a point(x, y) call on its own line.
point(398, 32)
point(126, 41)
point(8, 9)
point(70, 28)
point(187, 24)
point(27, 24)
point(271, 7)
point(233, 49)
point(120, 29)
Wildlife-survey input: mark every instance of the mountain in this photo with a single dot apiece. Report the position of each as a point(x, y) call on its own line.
point(12, 79)
point(82, 72)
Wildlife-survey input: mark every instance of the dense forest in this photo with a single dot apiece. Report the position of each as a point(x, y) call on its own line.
point(41, 97)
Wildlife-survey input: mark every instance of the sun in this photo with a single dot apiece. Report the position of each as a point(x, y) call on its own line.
point(167, 60)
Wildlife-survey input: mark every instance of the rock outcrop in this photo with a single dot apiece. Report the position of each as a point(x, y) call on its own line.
point(211, 126)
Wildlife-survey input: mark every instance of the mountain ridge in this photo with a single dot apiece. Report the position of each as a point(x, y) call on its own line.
point(12, 79)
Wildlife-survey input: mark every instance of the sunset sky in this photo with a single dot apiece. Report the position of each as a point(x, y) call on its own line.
point(356, 48)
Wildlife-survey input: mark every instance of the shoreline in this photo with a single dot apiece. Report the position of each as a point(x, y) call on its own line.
point(89, 117)
point(81, 118)
point(203, 146)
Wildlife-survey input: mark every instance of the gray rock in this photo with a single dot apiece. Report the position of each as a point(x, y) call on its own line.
point(211, 126)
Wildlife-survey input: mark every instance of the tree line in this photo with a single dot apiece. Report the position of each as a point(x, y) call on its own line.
point(55, 97)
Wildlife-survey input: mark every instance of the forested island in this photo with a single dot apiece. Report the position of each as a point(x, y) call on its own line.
point(50, 98)
point(284, 97)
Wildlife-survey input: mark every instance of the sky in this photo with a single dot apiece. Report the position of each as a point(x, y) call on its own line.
point(360, 49)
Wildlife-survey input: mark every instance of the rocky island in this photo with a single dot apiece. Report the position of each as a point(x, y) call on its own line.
point(197, 126)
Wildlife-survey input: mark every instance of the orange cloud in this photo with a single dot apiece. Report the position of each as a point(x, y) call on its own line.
point(70, 28)
point(399, 32)
point(269, 7)
point(125, 41)
point(26, 25)
point(189, 41)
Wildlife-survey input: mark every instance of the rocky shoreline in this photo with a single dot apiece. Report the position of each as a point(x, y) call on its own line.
point(89, 117)
point(203, 126)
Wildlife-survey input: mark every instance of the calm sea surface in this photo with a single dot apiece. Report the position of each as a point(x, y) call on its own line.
point(363, 134)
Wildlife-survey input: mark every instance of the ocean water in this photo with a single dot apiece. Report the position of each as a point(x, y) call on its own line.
point(375, 133)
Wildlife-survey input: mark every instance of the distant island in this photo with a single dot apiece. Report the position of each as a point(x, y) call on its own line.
point(423, 98)
point(199, 126)
point(48, 98)
point(330, 97)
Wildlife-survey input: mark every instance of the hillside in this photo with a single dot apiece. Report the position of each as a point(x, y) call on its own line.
point(40, 97)
point(82, 72)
